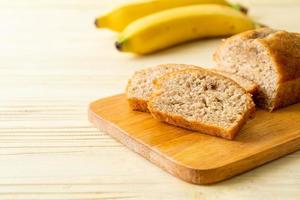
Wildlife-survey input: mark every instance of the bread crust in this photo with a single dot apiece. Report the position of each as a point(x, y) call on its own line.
point(284, 48)
point(252, 90)
point(284, 52)
point(138, 104)
point(288, 93)
point(213, 130)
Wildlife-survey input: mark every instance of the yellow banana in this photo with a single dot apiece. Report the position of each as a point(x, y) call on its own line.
point(168, 28)
point(121, 16)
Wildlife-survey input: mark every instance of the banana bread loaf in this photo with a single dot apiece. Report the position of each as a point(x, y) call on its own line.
point(270, 58)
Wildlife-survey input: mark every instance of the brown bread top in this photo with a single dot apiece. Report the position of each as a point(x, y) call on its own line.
point(284, 48)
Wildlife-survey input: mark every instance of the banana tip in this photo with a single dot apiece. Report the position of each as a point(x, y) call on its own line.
point(96, 23)
point(118, 46)
point(240, 8)
point(244, 9)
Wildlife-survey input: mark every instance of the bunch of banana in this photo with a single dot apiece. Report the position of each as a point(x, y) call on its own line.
point(151, 25)
point(120, 17)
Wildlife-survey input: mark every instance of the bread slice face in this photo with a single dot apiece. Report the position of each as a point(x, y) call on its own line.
point(268, 57)
point(140, 87)
point(201, 100)
point(248, 85)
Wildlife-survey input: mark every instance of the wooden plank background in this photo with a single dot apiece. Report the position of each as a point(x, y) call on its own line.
point(53, 62)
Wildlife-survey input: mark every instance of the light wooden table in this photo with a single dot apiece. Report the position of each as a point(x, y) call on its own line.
point(53, 63)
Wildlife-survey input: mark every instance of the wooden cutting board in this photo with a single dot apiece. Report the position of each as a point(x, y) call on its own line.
point(196, 157)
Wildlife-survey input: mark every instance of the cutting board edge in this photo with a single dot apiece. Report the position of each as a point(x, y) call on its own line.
point(186, 173)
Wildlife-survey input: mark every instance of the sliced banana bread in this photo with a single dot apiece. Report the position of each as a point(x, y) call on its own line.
point(270, 58)
point(248, 85)
point(140, 87)
point(201, 100)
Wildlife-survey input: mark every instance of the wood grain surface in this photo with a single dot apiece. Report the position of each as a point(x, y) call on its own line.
point(195, 157)
point(53, 63)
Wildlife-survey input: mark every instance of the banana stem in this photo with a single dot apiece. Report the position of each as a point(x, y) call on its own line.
point(239, 7)
point(244, 10)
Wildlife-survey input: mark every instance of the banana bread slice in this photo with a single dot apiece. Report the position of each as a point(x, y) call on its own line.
point(140, 87)
point(270, 58)
point(201, 100)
